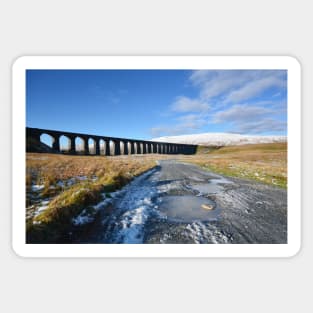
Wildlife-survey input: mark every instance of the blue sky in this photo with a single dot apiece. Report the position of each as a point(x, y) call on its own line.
point(152, 103)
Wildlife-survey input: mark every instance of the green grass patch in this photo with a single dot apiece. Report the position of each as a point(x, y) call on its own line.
point(206, 149)
point(246, 173)
point(266, 163)
point(252, 148)
point(54, 224)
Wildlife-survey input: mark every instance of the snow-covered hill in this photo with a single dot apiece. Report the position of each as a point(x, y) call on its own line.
point(220, 139)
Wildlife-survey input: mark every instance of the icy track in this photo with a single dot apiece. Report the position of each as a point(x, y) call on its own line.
point(165, 205)
point(132, 207)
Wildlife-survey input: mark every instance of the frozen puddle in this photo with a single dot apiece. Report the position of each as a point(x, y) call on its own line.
point(207, 188)
point(149, 200)
point(188, 208)
point(213, 186)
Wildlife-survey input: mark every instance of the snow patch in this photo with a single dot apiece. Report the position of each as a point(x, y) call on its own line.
point(81, 177)
point(220, 139)
point(132, 225)
point(132, 210)
point(42, 207)
point(74, 180)
point(103, 204)
point(60, 183)
point(83, 218)
point(37, 188)
point(205, 233)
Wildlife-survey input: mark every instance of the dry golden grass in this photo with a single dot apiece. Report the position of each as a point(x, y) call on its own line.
point(261, 162)
point(266, 163)
point(101, 175)
point(48, 168)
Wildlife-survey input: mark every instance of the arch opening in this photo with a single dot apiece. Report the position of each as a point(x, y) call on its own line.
point(112, 147)
point(47, 140)
point(122, 145)
point(91, 146)
point(160, 148)
point(129, 147)
point(135, 147)
point(65, 144)
point(150, 148)
point(144, 147)
point(79, 145)
point(125, 150)
point(102, 146)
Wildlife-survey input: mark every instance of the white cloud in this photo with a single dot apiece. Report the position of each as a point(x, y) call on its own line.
point(193, 119)
point(245, 119)
point(261, 94)
point(184, 124)
point(171, 130)
point(185, 104)
point(254, 88)
point(215, 83)
point(263, 126)
point(241, 113)
point(199, 77)
point(236, 85)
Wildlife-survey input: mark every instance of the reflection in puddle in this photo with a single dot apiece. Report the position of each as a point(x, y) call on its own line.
point(207, 188)
point(212, 187)
point(188, 208)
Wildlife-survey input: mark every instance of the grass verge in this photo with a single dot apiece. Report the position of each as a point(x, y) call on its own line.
point(73, 184)
point(265, 163)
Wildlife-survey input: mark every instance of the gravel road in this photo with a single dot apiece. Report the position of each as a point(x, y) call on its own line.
point(182, 203)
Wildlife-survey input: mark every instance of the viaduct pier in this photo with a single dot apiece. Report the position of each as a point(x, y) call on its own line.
point(85, 144)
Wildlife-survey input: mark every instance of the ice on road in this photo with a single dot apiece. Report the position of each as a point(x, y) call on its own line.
point(166, 205)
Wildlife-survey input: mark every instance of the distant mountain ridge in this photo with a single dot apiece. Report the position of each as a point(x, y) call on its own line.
point(220, 139)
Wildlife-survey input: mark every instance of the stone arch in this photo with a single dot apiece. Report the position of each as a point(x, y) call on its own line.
point(102, 146)
point(154, 148)
point(132, 148)
point(169, 149)
point(139, 148)
point(165, 148)
point(47, 139)
point(126, 147)
point(150, 148)
point(135, 147)
point(160, 148)
point(143, 147)
point(107, 147)
point(112, 147)
point(122, 147)
point(80, 145)
point(117, 150)
point(65, 144)
point(91, 146)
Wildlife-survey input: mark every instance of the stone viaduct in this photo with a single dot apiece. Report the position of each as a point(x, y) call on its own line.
point(99, 145)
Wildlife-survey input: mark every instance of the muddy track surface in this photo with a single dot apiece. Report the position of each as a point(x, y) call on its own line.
point(182, 203)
